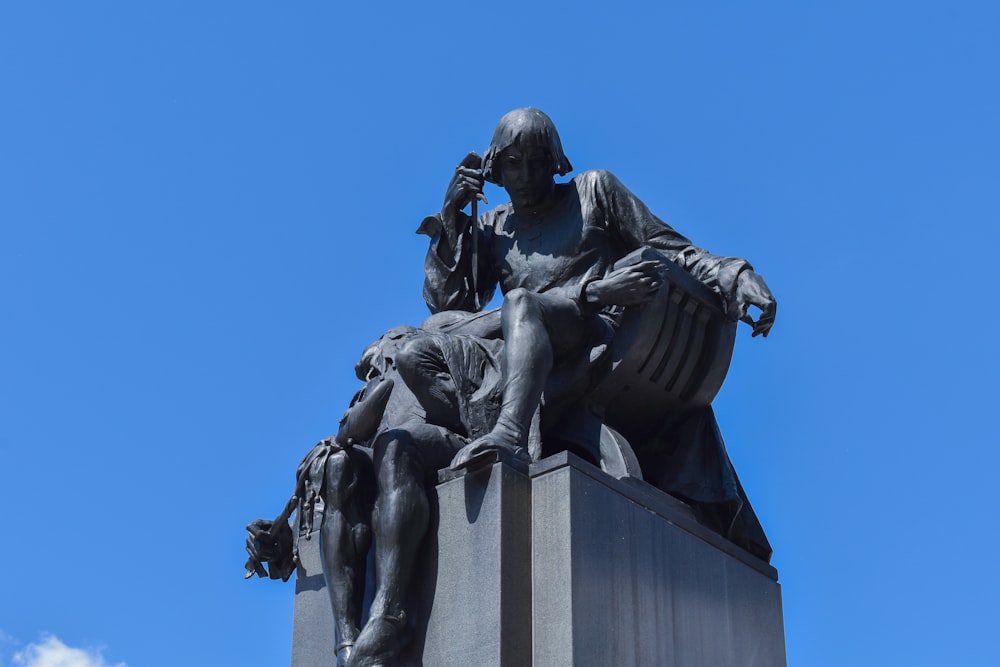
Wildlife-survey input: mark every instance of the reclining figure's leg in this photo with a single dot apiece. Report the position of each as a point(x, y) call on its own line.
point(403, 460)
point(345, 537)
point(400, 521)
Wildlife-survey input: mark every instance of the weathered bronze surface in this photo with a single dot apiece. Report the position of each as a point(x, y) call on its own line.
point(614, 336)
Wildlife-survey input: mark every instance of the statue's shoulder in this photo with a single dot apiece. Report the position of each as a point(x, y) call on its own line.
point(596, 178)
point(597, 185)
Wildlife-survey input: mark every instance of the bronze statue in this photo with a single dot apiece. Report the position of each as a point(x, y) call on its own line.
point(601, 298)
point(551, 250)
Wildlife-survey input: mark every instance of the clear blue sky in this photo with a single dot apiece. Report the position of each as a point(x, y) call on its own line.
point(207, 210)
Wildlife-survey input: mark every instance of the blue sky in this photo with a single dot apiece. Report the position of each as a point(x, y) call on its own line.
point(207, 211)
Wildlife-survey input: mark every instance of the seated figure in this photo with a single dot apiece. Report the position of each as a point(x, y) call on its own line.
point(612, 322)
point(558, 253)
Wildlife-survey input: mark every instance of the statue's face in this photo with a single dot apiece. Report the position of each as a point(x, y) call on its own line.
point(526, 174)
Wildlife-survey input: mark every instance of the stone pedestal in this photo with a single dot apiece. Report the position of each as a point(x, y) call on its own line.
point(472, 586)
point(480, 605)
point(623, 575)
point(569, 567)
point(314, 643)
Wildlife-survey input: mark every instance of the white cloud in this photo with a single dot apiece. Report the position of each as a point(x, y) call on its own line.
point(50, 652)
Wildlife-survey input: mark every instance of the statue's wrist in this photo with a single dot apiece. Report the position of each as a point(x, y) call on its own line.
point(590, 295)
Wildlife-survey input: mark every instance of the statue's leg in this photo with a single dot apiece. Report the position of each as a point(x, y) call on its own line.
point(403, 458)
point(422, 366)
point(345, 537)
point(538, 330)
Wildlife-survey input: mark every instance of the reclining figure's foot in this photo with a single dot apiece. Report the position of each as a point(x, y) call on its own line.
point(492, 447)
point(344, 652)
point(381, 642)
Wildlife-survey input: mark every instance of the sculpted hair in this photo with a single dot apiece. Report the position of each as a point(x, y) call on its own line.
point(525, 127)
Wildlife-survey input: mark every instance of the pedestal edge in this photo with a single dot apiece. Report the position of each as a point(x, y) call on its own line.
point(659, 502)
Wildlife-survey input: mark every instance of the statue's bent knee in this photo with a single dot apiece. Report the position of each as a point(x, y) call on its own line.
point(519, 299)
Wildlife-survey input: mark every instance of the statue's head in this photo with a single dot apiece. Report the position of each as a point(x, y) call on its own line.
point(380, 356)
point(528, 130)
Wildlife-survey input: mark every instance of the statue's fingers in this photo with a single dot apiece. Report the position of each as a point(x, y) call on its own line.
point(762, 328)
point(462, 457)
point(471, 188)
point(256, 555)
point(635, 274)
point(258, 527)
point(253, 566)
point(465, 172)
point(471, 159)
point(648, 267)
point(764, 323)
point(251, 550)
point(630, 270)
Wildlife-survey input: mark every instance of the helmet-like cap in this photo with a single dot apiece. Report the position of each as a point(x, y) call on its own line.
point(525, 128)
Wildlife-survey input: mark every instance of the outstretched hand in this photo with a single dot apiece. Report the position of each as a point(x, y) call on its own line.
point(751, 290)
point(271, 542)
point(628, 286)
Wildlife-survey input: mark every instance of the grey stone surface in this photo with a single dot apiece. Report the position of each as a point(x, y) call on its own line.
point(481, 608)
point(571, 567)
point(620, 580)
point(313, 632)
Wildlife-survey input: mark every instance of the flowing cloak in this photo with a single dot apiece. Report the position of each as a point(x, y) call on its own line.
point(592, 222)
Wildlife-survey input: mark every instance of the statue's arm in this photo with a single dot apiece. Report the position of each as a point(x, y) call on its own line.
point(458, 273)
point(449, 267)
point(732, 278)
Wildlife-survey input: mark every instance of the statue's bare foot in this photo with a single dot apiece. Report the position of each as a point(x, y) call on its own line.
point(381, 642)
point(491, 448)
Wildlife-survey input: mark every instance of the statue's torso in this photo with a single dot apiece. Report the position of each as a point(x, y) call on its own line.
point(559, 248)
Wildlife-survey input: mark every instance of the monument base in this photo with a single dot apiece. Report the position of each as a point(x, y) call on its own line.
point(569, 567)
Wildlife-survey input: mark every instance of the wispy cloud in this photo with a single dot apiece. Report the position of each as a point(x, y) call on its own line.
point(50, 652)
